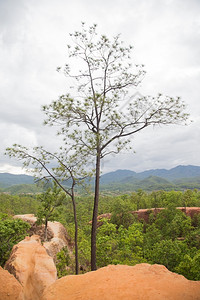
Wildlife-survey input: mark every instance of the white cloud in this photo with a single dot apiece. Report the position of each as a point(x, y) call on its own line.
point(7, 168)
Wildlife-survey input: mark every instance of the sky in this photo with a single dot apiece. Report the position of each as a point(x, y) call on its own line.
point(33, 42)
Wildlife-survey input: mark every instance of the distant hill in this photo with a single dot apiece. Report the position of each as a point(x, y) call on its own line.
point(178, 178)
point(150, 183)
point(171, 175)
point(116, 176)
point(7, 179)
point(23, 189)
point(174, 173)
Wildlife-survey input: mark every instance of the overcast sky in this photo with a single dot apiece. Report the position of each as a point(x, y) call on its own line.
point(166, 39)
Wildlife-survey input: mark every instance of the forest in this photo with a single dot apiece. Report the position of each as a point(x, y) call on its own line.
point(171, 238)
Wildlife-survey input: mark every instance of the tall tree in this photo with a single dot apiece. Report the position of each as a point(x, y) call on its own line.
point(100, 116)
point(68, 172)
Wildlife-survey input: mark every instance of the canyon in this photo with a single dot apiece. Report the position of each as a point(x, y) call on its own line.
point(30, 273)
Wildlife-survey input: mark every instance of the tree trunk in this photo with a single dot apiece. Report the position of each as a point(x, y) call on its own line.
point(45, 230)
point(95, 213)
point(76, 233)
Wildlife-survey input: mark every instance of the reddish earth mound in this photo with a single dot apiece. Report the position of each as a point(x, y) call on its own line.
point(57, 236)
point(10, 288)
point(141, 282)
point(32, 266)
point(143, 214)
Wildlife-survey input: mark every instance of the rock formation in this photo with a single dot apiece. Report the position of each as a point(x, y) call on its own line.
point(101, 217)
point(141, 282)
point(190, 211)
point(60, 239)
point(10, 288)
point(30, 218)
point(143, 214)
point(32, 267)
point(57, 234)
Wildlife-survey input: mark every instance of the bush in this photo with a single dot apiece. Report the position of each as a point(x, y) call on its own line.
point(11, 232)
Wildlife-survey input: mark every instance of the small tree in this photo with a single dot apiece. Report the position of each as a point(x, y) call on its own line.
point(100, 116)
point(49, 201)
point(68, 170)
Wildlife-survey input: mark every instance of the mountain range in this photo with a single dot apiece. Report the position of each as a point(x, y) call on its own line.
point(7, 179)
point(180, 177)
point(171, 175)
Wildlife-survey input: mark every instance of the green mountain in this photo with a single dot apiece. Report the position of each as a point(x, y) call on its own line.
point(178, 172)
point(116, 176)
point(172, 174)
point(156, 183)
point(7, 179)
point(23, 189)
point(150, 183)
point(178, 178)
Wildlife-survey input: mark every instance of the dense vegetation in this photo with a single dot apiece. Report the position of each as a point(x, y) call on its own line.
point(171, 238)
point(11, 232)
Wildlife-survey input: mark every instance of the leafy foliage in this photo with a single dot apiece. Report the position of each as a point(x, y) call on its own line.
point(119, 246)
point(62, 262)
point(168, 253)
point(18, 204)
point(12, 231)
point(49, 201)
point(121, 212)
point(189, 267)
